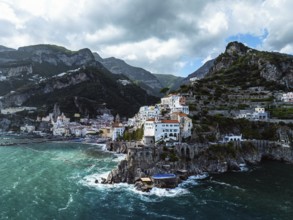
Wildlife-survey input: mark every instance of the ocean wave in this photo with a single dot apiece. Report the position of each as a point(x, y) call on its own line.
point(182, 189)
point(226, 184)
point(159, 215)
point(102, 147)
point(90, 180)
point(70, 200)
point(192, 180)
point(119, 157)
point(178, 191)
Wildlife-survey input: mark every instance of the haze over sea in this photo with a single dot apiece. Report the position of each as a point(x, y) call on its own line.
point(57, 181)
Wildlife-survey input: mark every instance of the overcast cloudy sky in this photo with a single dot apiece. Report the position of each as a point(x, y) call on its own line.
point(162, 36)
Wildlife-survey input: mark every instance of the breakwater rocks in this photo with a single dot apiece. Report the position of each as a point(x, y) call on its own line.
point(145, 161)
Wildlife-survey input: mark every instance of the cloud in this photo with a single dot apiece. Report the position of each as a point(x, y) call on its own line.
point(160, 36)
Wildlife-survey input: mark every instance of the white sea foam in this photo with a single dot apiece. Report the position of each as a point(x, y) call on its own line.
point(70, 200)
point(182, 188)
point(227, 184)
point(15, 184)
point(90, 168)
point(90, 180)
point(192, 180)
point(103, 147)
point(119, 157)
point(178, 191)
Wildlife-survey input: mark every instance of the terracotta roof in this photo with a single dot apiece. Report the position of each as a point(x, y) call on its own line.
point(151, 119)
point(182, 114)
point(170, 121)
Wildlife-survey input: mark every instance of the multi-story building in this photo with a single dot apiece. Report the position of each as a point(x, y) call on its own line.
point(287, 97)
point(147, 112)
point(162, 129)
point(117, 132)
point(175, 103)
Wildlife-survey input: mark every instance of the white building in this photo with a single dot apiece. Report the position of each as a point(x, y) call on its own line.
point(287, 97)
point(175, 103)
point(117, 132)
point(180, 108)
point(232, 137)
point(162, 129)
point(60, 131)
point(147, 112)
point(185, 123)
point(124, 82)
point(259, 113)
point(28, 128)
point(76, 131)
point(259, 110)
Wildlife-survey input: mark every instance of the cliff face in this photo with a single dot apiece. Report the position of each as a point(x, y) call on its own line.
point(273, 67)
point(58, 55)
point(197, 159)
point(17, 71)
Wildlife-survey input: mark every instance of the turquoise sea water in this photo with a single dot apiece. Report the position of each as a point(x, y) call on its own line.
point(57, 181)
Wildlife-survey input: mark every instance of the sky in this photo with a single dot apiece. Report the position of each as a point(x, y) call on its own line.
point(163, 36)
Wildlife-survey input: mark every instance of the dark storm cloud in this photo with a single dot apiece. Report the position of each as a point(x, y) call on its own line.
point(159, 35)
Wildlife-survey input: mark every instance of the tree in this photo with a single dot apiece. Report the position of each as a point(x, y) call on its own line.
point(164, 90)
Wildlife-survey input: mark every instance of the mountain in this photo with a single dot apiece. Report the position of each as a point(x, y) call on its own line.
point(242, 66)
point(242, 78)
point(41, 75)
point(85, 90)
point(202, 71)
point(141, 77)
point(168, 80)
point(2, 49)
point(199, 73)
point(34, 63)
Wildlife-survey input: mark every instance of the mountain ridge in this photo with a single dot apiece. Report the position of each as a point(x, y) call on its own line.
point(142, 77)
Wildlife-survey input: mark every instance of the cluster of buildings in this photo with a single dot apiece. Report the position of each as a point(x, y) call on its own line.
point(103, 126)
point(166, 121)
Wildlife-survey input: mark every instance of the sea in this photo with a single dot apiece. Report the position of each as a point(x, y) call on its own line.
point(57, 180)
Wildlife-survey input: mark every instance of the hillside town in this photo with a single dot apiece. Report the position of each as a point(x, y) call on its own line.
point(165, 121)
point(168, 121)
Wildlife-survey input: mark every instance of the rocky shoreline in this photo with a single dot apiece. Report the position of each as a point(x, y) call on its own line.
point(190, 159)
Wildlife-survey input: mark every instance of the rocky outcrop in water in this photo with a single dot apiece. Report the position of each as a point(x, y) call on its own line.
point(117, 147)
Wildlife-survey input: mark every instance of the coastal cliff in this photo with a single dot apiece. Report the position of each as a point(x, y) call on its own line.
point(143, 161)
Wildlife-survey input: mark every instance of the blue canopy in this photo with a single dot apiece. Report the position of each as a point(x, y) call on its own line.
point(164, 176)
